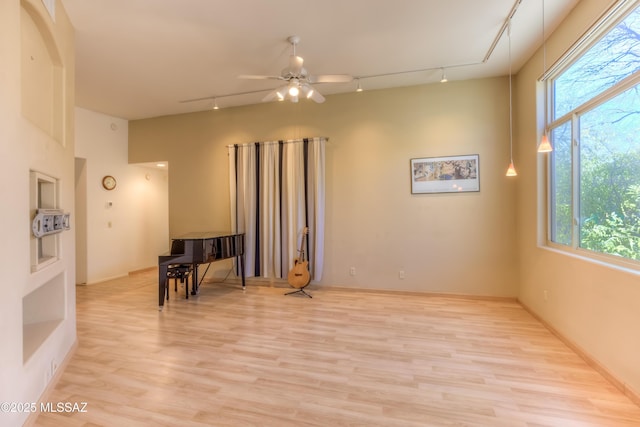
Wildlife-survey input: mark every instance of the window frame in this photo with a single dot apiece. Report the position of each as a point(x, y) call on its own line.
point(610, 19)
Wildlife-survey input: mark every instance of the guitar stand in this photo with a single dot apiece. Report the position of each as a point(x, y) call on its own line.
point(301, 290)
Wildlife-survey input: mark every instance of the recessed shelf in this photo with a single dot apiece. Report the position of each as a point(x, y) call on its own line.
point(33, 335)
point(42, 311)
point(44, 250)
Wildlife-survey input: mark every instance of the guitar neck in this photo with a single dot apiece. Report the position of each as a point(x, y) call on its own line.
point(301, 251)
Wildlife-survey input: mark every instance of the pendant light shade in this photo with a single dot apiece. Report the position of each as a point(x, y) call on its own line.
point(511, 171)
point(545, 145)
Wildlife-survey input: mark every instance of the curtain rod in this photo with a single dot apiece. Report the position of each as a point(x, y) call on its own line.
point(287, 141)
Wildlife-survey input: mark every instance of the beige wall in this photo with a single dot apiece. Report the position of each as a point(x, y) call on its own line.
point(125, 228)
point(595, 306)
point(39, 136)
point(454, 243)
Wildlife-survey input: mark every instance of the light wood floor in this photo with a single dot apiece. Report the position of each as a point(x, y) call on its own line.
point(343, 358)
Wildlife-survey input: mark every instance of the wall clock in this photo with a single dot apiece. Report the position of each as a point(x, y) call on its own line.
point(109, 182)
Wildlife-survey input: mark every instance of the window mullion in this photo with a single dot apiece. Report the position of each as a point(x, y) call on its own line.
point(575, 180)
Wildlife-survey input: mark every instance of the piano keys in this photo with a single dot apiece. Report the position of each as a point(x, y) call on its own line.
point(201, 248)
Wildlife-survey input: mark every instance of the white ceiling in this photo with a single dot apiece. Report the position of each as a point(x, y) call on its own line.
point(140, 58)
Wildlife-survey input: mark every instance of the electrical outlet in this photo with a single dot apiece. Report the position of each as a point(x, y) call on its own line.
point(352, 271)
point(401, 274)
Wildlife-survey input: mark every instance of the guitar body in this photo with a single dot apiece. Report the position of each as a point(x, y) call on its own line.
point(299, 275)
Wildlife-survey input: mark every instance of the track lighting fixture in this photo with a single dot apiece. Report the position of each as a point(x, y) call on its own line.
point(296, 70)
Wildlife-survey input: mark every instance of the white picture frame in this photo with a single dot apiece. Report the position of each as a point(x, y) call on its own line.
point(451, 174)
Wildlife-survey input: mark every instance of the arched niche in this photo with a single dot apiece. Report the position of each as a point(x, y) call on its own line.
point(42, 73)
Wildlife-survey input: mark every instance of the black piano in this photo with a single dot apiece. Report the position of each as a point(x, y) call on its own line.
point(201, 248)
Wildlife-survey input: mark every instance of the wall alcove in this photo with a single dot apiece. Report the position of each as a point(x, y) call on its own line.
point(42, 75)
point(42, 104)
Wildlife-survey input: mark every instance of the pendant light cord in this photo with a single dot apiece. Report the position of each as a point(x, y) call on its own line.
point(544, 70)
point(510, 98)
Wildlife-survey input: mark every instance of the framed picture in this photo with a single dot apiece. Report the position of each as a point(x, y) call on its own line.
point(452, 174)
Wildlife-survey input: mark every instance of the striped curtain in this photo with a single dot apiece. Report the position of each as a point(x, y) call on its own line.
point(277, 190)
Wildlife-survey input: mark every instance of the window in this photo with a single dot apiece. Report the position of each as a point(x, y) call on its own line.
point(594, 170)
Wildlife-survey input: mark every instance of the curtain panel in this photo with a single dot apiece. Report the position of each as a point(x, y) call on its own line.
point(277, 188)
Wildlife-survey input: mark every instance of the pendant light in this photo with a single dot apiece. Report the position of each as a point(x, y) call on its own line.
point(443, 79)
point(545, 145)
point(511, 171)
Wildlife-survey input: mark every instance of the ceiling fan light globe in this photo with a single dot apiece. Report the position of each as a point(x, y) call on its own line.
point(294, 87)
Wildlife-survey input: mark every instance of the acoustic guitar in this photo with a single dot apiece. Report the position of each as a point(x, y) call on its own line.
point(299, 275)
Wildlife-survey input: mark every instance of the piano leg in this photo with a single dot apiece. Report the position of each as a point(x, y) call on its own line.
point(194, 282)
point(162, 285)
point(240, 258)
point(186, 289)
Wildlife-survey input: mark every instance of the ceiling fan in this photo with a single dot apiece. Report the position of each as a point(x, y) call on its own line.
point(298, 80)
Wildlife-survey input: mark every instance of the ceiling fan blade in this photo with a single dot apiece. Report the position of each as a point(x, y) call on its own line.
point(277, 94)
point(270, 96)
point(317, 97)
point(258, 77)
point(331, 78)
point(312, 93)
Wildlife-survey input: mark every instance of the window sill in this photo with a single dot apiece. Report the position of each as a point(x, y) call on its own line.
point(609, 261)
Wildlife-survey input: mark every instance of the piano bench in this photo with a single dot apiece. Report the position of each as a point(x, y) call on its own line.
point(181, 272)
